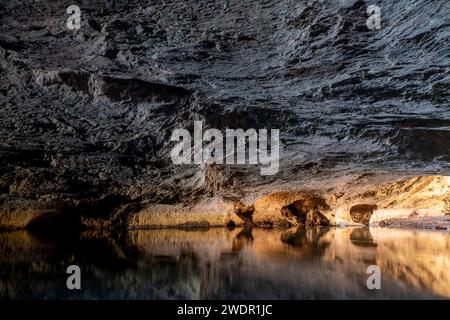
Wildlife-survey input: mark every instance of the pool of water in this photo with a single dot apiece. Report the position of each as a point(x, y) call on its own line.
point(217, 263)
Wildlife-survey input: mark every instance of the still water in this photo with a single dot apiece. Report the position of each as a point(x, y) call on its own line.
point(216, 263)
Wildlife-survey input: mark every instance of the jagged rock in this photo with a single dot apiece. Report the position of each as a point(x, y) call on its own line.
point(212, 178)
point(136, 90)
point(447, 207)
point(245, 213)
point(306, 212)
point(89, 113)
point(315, 218)
point(78, 80)
point(414, 214)
point(361, 213)
point(114, 88)
point(10, 42)
point(286, 208)
point(433, 223)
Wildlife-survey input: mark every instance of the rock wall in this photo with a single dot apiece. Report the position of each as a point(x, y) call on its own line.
point(86, 115)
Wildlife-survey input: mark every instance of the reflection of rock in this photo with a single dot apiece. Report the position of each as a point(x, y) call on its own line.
point(42, 257)
point(361, 213)
point(362, 237)
point(306, 212)
point(175, 264)
point(242, 239)
point(306, 240)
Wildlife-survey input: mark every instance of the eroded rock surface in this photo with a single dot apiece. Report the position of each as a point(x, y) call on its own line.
point(245, 213)
point(306, 212)
point(87, 114)
point(361, 213)
point(447, 207)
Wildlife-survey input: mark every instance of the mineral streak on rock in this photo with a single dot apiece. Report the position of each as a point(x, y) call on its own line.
point(86, 115)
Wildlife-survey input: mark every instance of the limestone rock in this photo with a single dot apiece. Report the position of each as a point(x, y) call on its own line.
point(245, 213)
point(89, 113)
point(361, 213)
point(306, 212)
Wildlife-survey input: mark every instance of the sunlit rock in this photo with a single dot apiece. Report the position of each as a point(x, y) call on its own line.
point(245, 213)
point(291, 208)
point(214, 212)
point(421, 196)
point(306, 212)
point(361, 213)
point(447, 206)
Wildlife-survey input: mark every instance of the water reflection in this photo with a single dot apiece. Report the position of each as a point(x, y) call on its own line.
point(319, 263)
point(243, 239)
point(362, 237)
point(309, 242)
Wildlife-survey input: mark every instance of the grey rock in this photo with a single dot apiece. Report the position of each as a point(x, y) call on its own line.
point(88, 113)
